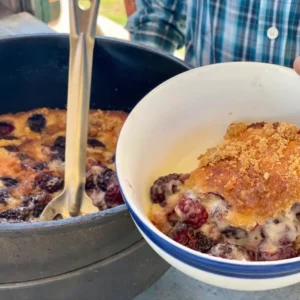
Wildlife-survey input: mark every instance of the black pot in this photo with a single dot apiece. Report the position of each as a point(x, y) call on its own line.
point(33, 73)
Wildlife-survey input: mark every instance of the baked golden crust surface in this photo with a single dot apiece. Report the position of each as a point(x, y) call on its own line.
point(32, 143)
point(256, 169)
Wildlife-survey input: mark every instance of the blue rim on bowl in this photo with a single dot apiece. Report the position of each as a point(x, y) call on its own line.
point(204, 262)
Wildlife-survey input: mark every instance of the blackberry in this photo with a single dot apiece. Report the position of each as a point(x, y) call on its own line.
point(9, 138)
point(39, 204)
point(23, 156)
point(6, 128)
point(200, 242)
point(191, 212)
point(3, 196)
point(58, 148)
point(36, 123)
point(11, 148)
point(165, 186)
point(40, 166)
point(60, 142)
point(104, 178)
point(9, 182)
point(19, 214)
point(229, 251)
point(113, 196)
point(95, 143)
point(89, 183)
point(49, 182)
point(179, 233)
point(257, 125)
point(234, 232)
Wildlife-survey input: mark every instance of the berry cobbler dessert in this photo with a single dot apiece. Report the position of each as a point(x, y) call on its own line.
point(243, 200)
point(32, 155)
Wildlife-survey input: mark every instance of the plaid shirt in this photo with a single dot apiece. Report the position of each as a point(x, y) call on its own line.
point(216, 31)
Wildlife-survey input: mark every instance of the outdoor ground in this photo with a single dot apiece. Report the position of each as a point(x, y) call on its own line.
point(114, 10)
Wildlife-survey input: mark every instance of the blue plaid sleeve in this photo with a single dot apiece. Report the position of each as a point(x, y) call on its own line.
point(159, 24)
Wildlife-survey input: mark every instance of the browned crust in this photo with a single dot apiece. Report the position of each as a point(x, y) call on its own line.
point(103, 125)
point(256, 169)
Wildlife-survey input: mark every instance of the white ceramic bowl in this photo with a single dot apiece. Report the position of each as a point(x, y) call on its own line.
point(180, 119)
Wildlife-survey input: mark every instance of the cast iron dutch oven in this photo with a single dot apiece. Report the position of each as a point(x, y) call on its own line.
point(33, 73)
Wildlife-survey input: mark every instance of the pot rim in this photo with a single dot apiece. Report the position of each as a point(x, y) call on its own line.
point(90, 220)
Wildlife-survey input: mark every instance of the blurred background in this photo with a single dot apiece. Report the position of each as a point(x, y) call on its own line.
point(113, 15)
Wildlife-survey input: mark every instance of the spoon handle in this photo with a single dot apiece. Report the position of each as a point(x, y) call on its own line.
point(82, 39)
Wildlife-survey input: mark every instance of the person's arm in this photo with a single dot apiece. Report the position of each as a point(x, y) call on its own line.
point(159, 23)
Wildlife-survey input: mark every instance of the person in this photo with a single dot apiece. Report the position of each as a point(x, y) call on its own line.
point(215, 31)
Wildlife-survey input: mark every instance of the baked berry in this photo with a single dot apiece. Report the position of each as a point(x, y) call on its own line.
point(230, 251)
point(237, 233)
point(19, 214)
point(179, 233)
point(6, 128)
point(39, 203)
point(95, 143)
point(165, 186)
point(40, 166)
point(257, 125)
point(11, 148)
point(191, 212)
point(60, 142)
point(58, 148)
point(269, 256)
point(23, 156)
point(4, 195)
point(89, 182)
point(289, 252)
point(49, 182)
point(113, 196)
point(8, 181)
point(36, 123)
point(104, 178)
point(9, 138)
point(200, 242)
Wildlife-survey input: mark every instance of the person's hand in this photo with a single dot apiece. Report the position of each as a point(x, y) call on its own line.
point(297, 65)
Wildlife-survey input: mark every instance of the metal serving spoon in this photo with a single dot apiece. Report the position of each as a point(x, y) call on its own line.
point(73, 200)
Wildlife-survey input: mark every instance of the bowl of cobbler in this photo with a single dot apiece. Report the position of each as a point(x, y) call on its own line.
point(209, 165)
point(65, 258)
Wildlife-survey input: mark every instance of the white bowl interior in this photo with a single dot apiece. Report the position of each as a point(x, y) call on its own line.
point(180, 119)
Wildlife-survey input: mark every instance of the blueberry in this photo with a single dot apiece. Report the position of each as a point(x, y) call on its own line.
point(36, 123)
